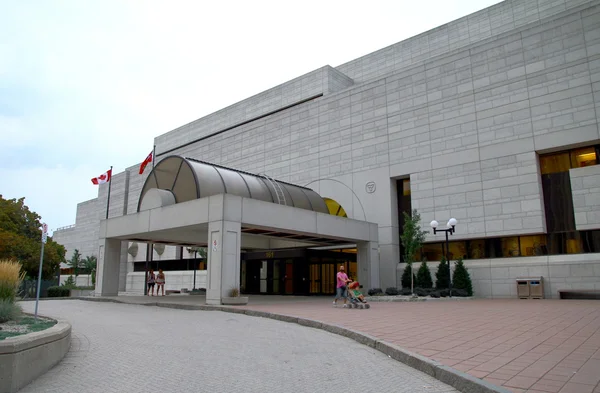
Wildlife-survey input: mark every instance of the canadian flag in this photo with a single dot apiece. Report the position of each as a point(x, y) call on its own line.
point(147, 161)
point(103, 178)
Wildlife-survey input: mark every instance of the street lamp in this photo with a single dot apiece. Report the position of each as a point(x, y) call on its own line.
point(450, 229)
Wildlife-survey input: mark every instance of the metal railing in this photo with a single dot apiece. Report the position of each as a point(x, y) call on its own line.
point(278, 191)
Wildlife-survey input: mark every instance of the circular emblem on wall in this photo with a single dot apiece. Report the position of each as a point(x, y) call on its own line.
point(370, 187)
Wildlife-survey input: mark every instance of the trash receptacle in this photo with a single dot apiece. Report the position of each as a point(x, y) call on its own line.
point(536, 288)
point(522, 288)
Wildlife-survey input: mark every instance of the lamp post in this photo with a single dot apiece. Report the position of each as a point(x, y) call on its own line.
point(450, 229)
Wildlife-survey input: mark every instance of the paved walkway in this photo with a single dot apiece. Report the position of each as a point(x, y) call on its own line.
point(523, 345)
point(131, 348)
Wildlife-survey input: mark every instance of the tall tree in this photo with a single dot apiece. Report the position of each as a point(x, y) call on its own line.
point(412, 236)
point(20, 239)
point(75, 262)
point(89, 263)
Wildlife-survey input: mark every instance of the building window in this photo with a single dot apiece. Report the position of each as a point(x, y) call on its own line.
point(565, 160)
point(555, 163)
point(404, 206)
point(533, 245)
point(584, 157)
point(515, 246)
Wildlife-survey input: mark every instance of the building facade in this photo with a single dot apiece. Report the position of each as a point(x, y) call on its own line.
point(491, 119)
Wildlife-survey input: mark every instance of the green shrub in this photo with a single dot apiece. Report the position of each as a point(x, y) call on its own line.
point(57, 291)
point(69, 283)
point(405, 292)
point(9, 311)
point(462, 279)
point(375, 292)
point(406, 276)
point(441, 277)
point(423, 291)
point(459, 292)
point(391, 291)
point(424, 276)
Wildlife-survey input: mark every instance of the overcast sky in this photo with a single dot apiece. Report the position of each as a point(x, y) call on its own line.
point(88, 84)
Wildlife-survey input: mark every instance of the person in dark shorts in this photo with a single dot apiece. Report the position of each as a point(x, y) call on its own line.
point(151, 281)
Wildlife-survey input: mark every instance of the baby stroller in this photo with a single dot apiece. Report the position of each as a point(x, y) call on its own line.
point(356, 298)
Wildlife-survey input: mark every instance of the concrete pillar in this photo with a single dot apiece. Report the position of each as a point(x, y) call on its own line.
point(109, 263)
point(368, 264)
point(123, 267)
point(223, 272)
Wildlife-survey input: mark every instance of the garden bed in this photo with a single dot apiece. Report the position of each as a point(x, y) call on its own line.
point(404, 298)
point(23, 325)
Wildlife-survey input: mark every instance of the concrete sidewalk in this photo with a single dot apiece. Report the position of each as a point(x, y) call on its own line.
point(521, 345)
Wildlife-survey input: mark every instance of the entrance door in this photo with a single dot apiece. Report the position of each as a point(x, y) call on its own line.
point(252, 276)
point(289, 277)
point(315, 278)
point(328, 278)
point(301, 277)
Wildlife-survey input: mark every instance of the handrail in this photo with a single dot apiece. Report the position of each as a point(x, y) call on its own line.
point(278, 191)
point(65, 227)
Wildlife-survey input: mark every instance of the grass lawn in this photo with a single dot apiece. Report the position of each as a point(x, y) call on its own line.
point(25, 324)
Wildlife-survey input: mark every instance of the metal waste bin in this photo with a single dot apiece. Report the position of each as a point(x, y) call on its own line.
point(530, 287)
point(522, 288)
point(536, 288)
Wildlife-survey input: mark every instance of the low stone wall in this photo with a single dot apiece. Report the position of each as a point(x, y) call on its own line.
point(175, 280)
point(496, 278)
point(24, 358)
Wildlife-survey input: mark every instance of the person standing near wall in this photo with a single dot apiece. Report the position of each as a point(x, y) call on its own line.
point(160, 282)
point(341, 286)
point(151, 280)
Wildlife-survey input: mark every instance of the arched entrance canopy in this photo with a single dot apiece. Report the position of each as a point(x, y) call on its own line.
point(188, 179)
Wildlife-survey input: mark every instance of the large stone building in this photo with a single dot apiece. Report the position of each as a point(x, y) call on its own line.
point(491, 119)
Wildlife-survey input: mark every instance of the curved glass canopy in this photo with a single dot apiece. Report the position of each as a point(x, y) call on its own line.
point(190, 179)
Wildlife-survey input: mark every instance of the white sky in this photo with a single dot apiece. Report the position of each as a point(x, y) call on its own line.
point(88, 84)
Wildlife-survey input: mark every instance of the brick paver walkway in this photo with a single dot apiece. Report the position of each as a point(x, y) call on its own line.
point(130, 348)
point(522, 345)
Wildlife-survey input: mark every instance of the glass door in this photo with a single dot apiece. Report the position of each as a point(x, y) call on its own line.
point(315, 278)
point(276, 277)
point(263, 276)
point(289, 277)
point(328, 278)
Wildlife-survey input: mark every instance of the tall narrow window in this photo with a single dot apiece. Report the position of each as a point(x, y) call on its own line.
point(404, 206)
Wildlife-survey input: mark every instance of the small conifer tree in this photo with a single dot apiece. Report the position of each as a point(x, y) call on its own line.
point(441, 277)
point(424, 276)
point(461, 278)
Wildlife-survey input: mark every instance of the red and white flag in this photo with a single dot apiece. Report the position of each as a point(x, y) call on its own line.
point(147, 161)
point(103, 178)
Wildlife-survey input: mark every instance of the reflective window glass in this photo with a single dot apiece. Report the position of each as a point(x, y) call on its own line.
point(477, 249)
point(406, 187)
point(510, 246)
point(554, 163)
point(457, 250)
point(431, 252)
point(533, 245)
point(583, 157)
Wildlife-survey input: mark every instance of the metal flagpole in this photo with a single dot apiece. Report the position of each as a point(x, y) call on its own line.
point(148, 245)
point(108, 199)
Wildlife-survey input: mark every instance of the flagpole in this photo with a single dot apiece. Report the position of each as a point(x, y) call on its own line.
point(108, 199)
point(153, 156)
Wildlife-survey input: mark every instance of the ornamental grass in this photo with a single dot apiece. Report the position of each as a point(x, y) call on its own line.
point(11, 277)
